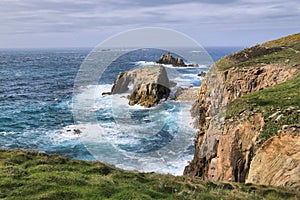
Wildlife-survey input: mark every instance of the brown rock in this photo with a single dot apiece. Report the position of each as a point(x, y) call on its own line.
point(168, 59)
point(277, 161)
point(224, 149)
point(149, 85)
point(186, 94)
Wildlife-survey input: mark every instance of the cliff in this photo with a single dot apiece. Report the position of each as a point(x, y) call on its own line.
point(244, 100)
point(270, 169)
point(149, 85)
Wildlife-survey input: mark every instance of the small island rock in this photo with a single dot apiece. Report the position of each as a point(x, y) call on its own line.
point(147, 85)
point(168, 59)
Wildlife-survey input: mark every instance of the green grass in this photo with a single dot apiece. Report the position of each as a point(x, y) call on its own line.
point(33, 175)
point(285, 41)
point(269, 101)
point(282, 51)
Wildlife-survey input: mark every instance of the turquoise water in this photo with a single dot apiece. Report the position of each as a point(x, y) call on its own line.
point(36, 93)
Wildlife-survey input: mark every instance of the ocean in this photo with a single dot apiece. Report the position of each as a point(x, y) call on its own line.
point(37, 95)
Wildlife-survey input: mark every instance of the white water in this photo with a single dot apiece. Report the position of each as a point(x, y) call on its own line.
point(158, 139)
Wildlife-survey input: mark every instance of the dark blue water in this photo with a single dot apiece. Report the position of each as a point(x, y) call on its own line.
point(36, 88)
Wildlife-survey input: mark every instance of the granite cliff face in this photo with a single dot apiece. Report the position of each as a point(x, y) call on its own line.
point(232, 122)
point(147, 85)
point(277, 161)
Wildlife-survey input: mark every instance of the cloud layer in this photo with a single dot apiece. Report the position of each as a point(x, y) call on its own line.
point(76, 16)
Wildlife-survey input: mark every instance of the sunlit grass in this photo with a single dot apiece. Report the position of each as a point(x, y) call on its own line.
point(283, 51)
point(32, 175)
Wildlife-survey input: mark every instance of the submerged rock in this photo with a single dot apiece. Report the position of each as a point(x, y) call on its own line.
point(147, 85)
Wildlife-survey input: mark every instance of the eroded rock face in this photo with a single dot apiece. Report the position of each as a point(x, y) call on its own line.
point(224, 148)
point(148, 85)
point(277, 161)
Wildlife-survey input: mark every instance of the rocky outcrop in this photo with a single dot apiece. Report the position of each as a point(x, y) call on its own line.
point(146, 85)
point(168, 59)
point(277, 161)
point(225, 146)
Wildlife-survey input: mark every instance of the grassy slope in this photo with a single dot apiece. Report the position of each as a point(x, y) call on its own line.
point(280, 51)
point(32, 175)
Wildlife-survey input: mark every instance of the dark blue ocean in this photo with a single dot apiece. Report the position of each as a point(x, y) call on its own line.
point(36, 94)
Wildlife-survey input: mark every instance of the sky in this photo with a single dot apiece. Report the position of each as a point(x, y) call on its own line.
point(86, 23)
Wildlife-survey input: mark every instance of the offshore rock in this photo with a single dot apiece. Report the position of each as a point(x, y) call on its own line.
point(147, 85)
point(168, 59)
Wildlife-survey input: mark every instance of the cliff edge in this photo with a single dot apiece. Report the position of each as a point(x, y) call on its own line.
point(245, 99)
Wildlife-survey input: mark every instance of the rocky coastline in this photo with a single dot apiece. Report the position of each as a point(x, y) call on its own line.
point(237, 141)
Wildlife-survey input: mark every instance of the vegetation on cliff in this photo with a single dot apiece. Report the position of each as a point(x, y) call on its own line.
point(281, 51)
point(33, 175)
point(247, 98)
point(282, 101)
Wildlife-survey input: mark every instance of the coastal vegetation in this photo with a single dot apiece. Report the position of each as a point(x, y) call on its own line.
point(279, 105)
point(281, 51)
point(32, 175)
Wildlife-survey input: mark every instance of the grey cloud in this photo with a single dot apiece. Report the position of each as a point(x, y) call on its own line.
point(37, 16)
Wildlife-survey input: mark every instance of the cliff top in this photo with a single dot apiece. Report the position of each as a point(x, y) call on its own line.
point(287, 41)
point(281, 51)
